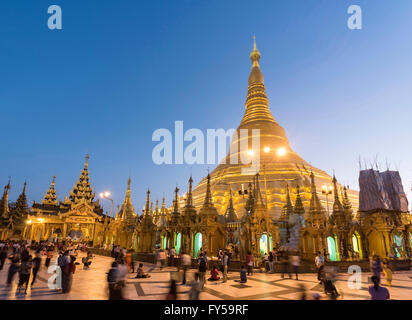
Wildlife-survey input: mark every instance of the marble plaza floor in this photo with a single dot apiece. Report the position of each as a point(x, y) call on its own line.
point(91, 284)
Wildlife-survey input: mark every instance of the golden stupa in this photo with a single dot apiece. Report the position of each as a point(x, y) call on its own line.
point(279, 167)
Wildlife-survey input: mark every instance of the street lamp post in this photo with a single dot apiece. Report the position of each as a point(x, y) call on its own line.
point(327, 190)
point(106, 195)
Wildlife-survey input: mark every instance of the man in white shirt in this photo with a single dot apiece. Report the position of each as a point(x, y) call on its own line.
point(186, 263)
point(295, 262)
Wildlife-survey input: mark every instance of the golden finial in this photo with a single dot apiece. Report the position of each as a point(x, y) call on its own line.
point(255, 54)
point(87, 160)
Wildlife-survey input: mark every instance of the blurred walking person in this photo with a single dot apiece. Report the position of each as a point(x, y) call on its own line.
point(172, 253)
point(225, 259)
point(49, 256)
point(186, 263)
point(13, 268)
point(65, 271)
point(36, 266)
point(285, 265)
point(249, 263)
point(115, 288)
point(376, 266)
point(295, 262)
point(24, 273)
point(271, 262)
point(172, 294)
point(387, 272)
point(68, 272)
point(202, 269)
point(3, 256)
point(196, 287)
point(320, 264)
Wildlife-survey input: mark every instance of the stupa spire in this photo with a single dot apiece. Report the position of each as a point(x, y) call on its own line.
point(147, 207)
point(259, 199)
point(127, 211)
point(163, 203)
point(250, 203)
point(208, 198)
point(189, 198)
point(298, 209)
point(4, 202)
point(230, 211)
point(315, 205)
point(346, 202)
point(337, 205)
point(257, 103)
point(157, 207)
point(287, 211)
point(21, 209)
point(176, 201)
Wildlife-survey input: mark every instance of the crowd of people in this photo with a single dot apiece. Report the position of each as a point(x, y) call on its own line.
point(26, 261)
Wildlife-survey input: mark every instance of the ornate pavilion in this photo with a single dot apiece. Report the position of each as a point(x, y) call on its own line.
point(278, 207)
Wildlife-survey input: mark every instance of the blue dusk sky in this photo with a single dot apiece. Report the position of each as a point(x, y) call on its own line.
point(119, 70)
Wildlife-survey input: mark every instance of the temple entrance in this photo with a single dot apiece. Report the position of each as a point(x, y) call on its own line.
point(377, 244)
point(398, 244)
point(263, 244)
point(198, 244)
point(270, 242)
point(333, 256)
point(164, 242)
point(357, 250)
point(76, 235)
point(178, 242)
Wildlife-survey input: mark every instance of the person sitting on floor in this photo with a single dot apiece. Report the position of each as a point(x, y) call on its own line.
point(87, 260)
point(214, 274)
point(243, 276)
point(141, 273)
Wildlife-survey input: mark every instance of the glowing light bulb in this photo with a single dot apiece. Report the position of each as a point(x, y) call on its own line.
point(267, 149)
point(250, 152)
point(281, 152)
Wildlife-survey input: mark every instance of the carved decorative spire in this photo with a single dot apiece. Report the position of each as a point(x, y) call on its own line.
point(315, 205)
point(230, 211)
point(82, 190)
point(176, 201)
point(18, 214)
point(127, 212)
point(50, 197)
point(156, 212)
point(287, 211)
point(337, 205)
point(147, 207)
point(347, 206)
point(4, 202)
point(250, 203)
point(258, 194)
point(298, 209)
point(189, 198)
point(208, 198)
point(163, 205)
